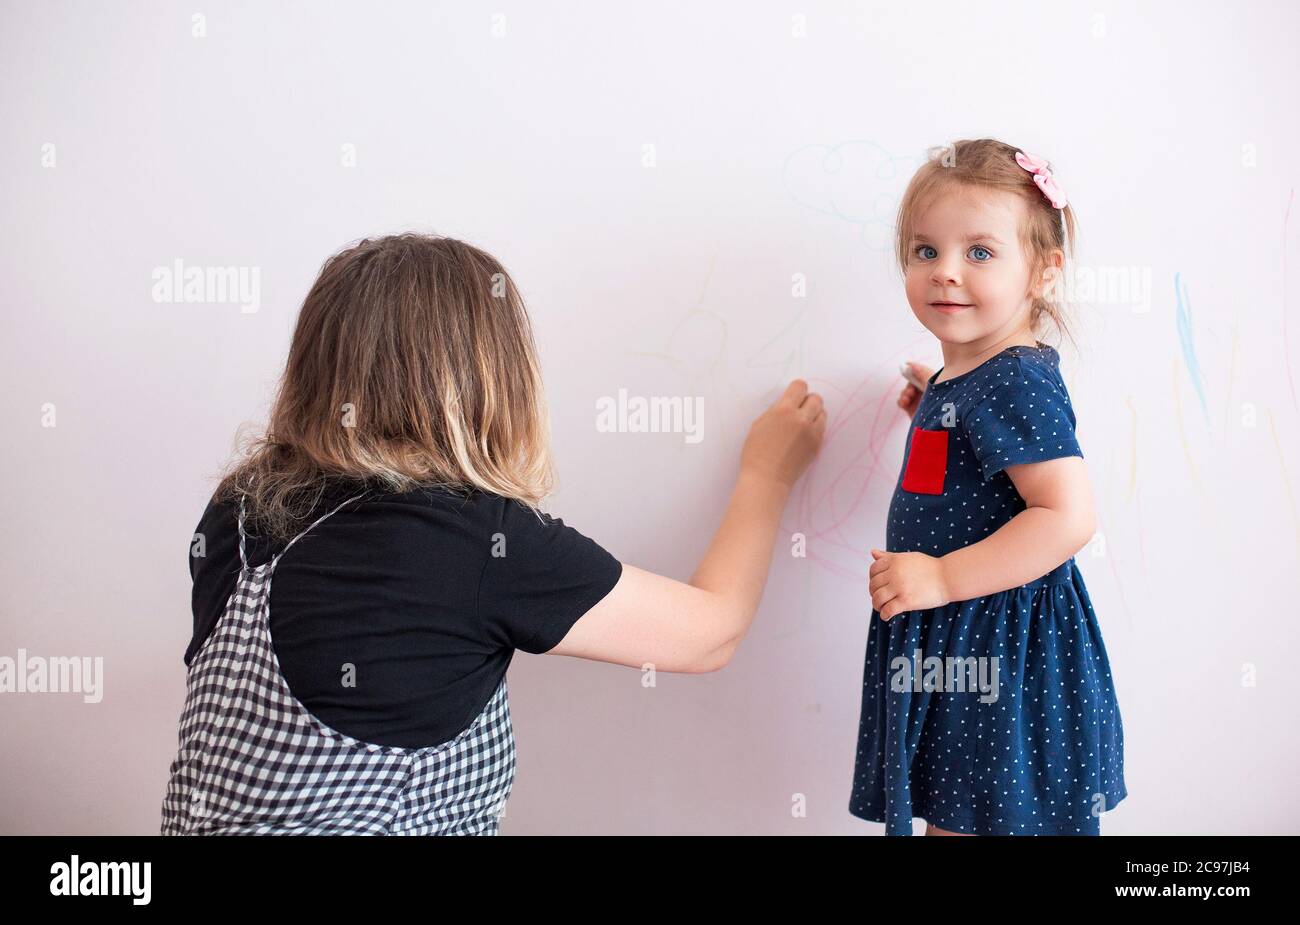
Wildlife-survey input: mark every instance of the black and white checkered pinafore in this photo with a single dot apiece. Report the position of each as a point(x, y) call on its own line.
point(253, 760)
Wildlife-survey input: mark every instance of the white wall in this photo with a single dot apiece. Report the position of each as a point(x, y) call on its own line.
point(1172, 127)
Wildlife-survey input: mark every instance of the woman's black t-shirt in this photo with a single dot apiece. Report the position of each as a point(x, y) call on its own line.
point(395, 618)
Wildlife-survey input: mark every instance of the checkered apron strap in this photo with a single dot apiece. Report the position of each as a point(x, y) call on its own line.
point(313, 525)
point(243, 535)
point(243, 559)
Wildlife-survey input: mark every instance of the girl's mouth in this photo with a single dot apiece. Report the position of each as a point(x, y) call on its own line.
point(949, 307)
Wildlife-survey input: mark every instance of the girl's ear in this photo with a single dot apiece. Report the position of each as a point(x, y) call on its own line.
point(1052, 274)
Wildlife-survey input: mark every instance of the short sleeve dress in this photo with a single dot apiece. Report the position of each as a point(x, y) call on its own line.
point(992, 716)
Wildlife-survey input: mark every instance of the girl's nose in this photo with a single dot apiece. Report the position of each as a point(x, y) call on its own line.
point(946, 274)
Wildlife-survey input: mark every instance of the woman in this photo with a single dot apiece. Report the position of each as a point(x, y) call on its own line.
point(393, 499)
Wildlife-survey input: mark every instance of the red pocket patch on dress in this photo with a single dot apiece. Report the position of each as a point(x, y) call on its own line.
point(927, 462)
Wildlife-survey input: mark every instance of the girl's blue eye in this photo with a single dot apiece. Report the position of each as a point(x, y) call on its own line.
point(920, 252)
point(979, 249)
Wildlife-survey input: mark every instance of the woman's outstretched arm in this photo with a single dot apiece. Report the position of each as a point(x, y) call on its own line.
point(649, 619)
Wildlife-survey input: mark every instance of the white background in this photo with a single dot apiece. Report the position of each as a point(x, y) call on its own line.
point(1171, 126)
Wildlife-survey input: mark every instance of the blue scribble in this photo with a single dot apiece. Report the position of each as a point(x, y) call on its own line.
point(872, 183)
point(1184, 318)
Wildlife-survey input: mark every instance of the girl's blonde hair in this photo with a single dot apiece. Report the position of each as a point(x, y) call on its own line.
point(412, 364)
point(988, 164)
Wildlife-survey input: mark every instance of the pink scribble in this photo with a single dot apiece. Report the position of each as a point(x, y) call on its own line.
point(871, 408)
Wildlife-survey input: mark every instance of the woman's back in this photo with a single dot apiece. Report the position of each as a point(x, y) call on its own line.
point(394, 618)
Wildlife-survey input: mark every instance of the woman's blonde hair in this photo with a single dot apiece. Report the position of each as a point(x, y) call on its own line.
point(985, 163)
point(412, 364)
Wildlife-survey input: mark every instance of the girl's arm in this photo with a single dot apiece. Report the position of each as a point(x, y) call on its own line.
point(649, 619)
point(1057, 522)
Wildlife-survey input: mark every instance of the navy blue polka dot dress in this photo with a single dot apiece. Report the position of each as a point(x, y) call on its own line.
point(993, 716)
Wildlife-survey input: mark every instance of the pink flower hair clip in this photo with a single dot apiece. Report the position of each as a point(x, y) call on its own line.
point(1043, 177)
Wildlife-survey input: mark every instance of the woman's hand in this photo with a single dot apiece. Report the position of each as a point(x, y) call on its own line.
point(902, 581)
point(784, 439)
point(910, 397)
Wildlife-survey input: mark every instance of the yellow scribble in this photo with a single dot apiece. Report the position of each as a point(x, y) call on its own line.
point(1286, 479)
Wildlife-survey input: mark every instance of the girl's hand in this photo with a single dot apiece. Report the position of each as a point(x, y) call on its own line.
point(784, 439)
point(910, 397)
point(903, 581)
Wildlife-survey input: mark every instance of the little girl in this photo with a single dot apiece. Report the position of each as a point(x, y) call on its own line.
point(987, 702)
